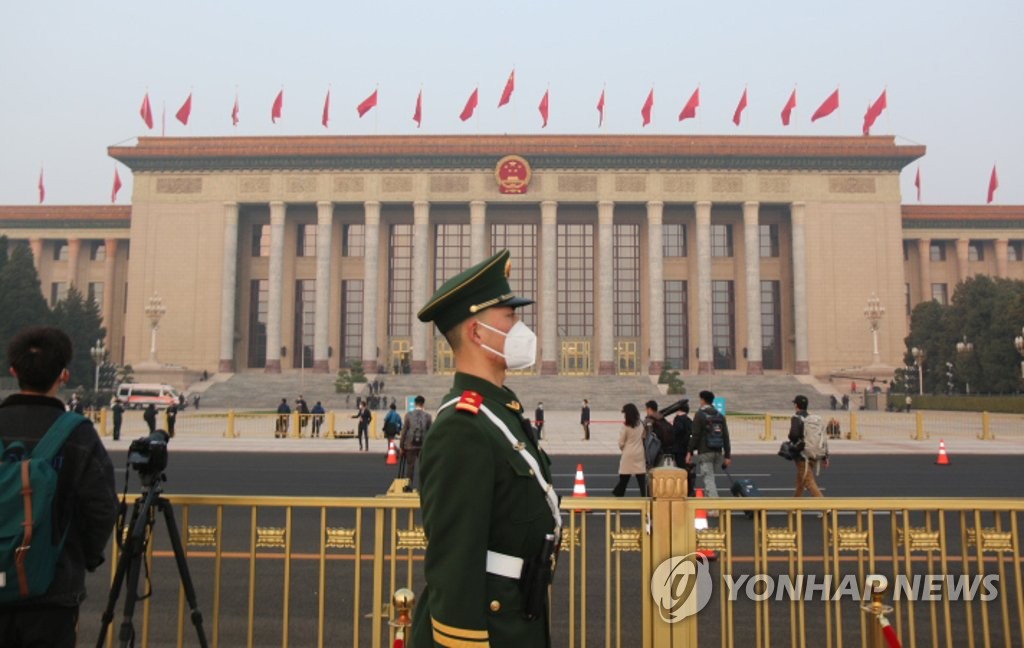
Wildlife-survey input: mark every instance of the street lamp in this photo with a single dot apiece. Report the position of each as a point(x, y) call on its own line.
point(919, 361)
point(873, 313)
point(1019, 343)
point(154, 311)
point(99, 354)
point(964, 347)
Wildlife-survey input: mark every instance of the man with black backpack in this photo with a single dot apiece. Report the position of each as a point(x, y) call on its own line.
point(808, 434)
point(39, 603)
point(414, 431)
point(710, 439)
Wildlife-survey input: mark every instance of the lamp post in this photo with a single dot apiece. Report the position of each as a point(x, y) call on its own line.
point(154, 311)
point(963, 348)
point(919, 361)
point(99, 354)
point(873, 313)
point(1019, 343)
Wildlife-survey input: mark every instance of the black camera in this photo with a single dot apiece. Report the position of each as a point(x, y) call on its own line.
point(148, 455)
point(669, 410)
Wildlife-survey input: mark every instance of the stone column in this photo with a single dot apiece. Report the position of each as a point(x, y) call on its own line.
point(109, 277)
point(420, 271)
point(752, 258)
point(477, 231)
point(324, 228)
point(371, 260)
point(924, 256)
point(36, 245)
point(962, 263)
point(605, 270)
point(74, 249)
point(548, 288)
point(655, 290)
point(275, 286)
point(228, 287)
point(1002, 258)
point(705, 362)
point(798, 216)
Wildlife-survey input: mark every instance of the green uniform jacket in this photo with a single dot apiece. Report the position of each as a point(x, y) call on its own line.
point(478, 494)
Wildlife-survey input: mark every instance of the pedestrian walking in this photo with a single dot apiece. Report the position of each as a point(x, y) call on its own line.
point(585, 420)
point(281, 425)
point(414, 432)
point(172, 417)
point(392, 423)
point(710, 440)
point(538, 420)
point(149, 416)
point(118, 410)
point(363, 429)
point(808, 434)
point(631, 443)
point(318, 418)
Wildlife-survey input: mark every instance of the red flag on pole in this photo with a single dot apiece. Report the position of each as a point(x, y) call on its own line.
point(827, 107)
point(917, 183)
point(234, 112)
point(146, 111)
point(117, 186)
point(787, 110)
point(367, 104)
point(185, 111)
point(543, 108)
point(417, 116)
point(874, 110)
point(993, 184)
point(600, 110)
point(470, 107)
point(737, 115)
point(325, 118)
point(690, 109)
point(510, 85)
point(275, 110)
point(42, 187)
point(645, 112)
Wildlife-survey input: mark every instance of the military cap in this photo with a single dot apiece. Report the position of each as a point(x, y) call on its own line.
point(471, 291)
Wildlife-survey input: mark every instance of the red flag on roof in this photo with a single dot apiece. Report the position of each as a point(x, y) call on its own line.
point(510, 85)
point(543, 108)
point(234, 112)
point(827, 107)
point(146, 111)
point(645, 112)
point(993, 184)
point(117, 186)
point(470, 106)
point(275, 110)
point(325, 118)
point(600, 110)
point(42, 187)
point(917, 183)
point(417, 116)
point(690, 109)
point(738, 114)
point(185, 111)
point(787, 110)
point(874, 110)
point(368, 103)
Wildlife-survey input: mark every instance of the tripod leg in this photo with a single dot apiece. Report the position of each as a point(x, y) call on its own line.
point(186, 579)
point(123, 562)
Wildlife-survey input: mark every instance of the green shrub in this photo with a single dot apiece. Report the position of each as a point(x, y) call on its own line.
point(1010, 404)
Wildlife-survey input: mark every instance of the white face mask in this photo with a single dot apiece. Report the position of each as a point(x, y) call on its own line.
point(520, 345)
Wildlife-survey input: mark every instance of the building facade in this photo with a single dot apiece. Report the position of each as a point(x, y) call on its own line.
point(736, 254)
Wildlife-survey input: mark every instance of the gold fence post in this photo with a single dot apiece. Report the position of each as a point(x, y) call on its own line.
point(373, 426)
point(330, 424)
point(986, 430)
point(672, 534)
point(875, 610)
point(919, 431)
point(854, 431)
point(103, 421)
point(767, 435)
point(294, 418)
point(229, 431)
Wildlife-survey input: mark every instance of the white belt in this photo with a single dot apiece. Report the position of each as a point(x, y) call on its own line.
point(505, 565)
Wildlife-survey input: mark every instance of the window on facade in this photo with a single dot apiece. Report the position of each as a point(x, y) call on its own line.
point(723, 334)
point(58, 291)
point(677, 346)
point(521, 240)
point(575, 243)
point(975, 251)
point(906, 299)
point(95, 293)
point(721, 240)
point(1015, 251)
point(400, 281)
point(939, 293)
point(98, 251)
point(353, 240)
point(673, 240)
point(771, 325)
point(259, 301)
point(937, 251)
point(260, 240)
point(305, 242)
point(906, 250)
point(769, 241)
point(451, 251)
point(60, 251)
point(351, 322)
point(305, 323)
point(626, 280)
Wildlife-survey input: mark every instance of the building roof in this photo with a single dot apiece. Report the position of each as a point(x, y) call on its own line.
point(668, 152)
point(65, 216)
point(963, 216)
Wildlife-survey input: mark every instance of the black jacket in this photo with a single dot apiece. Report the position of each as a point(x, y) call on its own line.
point(86, 497)
point(698, 440)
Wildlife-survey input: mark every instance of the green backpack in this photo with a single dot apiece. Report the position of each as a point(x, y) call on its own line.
point(28, 553)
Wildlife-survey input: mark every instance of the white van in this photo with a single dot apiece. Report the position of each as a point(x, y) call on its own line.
point(140, 395)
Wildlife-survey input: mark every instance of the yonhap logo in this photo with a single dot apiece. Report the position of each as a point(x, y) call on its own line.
point(681, 586)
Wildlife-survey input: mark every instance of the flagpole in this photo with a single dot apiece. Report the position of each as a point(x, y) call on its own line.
point(163, 118)
point(376, 89)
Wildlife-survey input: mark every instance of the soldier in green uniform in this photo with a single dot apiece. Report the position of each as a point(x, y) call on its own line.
point(489, 512)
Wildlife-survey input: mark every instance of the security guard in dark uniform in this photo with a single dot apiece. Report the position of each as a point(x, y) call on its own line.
point(489, 512)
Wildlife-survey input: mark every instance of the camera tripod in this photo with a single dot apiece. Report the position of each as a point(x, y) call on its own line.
point(132, 555)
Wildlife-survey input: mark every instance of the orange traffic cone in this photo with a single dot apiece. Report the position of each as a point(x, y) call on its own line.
point(579, 489)
point(700, 523)
point(392, 455)
point(943, 459)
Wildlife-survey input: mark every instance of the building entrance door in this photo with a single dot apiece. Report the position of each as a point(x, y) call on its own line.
point(401, 355)
point(625, 358)
point(575, 358)
point(444, 359)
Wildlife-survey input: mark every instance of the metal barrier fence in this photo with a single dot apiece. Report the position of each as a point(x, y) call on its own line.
point(321, 571)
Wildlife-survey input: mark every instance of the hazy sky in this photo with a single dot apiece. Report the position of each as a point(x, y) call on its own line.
point(73, 74)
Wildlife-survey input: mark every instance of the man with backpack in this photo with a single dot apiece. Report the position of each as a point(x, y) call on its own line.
point(807, 433)
point(656, 425)
point(39, 604)
point(414, 431)
point(710, 439)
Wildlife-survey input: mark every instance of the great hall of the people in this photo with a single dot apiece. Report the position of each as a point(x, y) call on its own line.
point(710, 254)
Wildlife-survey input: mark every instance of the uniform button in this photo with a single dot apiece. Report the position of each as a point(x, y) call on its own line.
point(495, 606)
point(531, 472)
